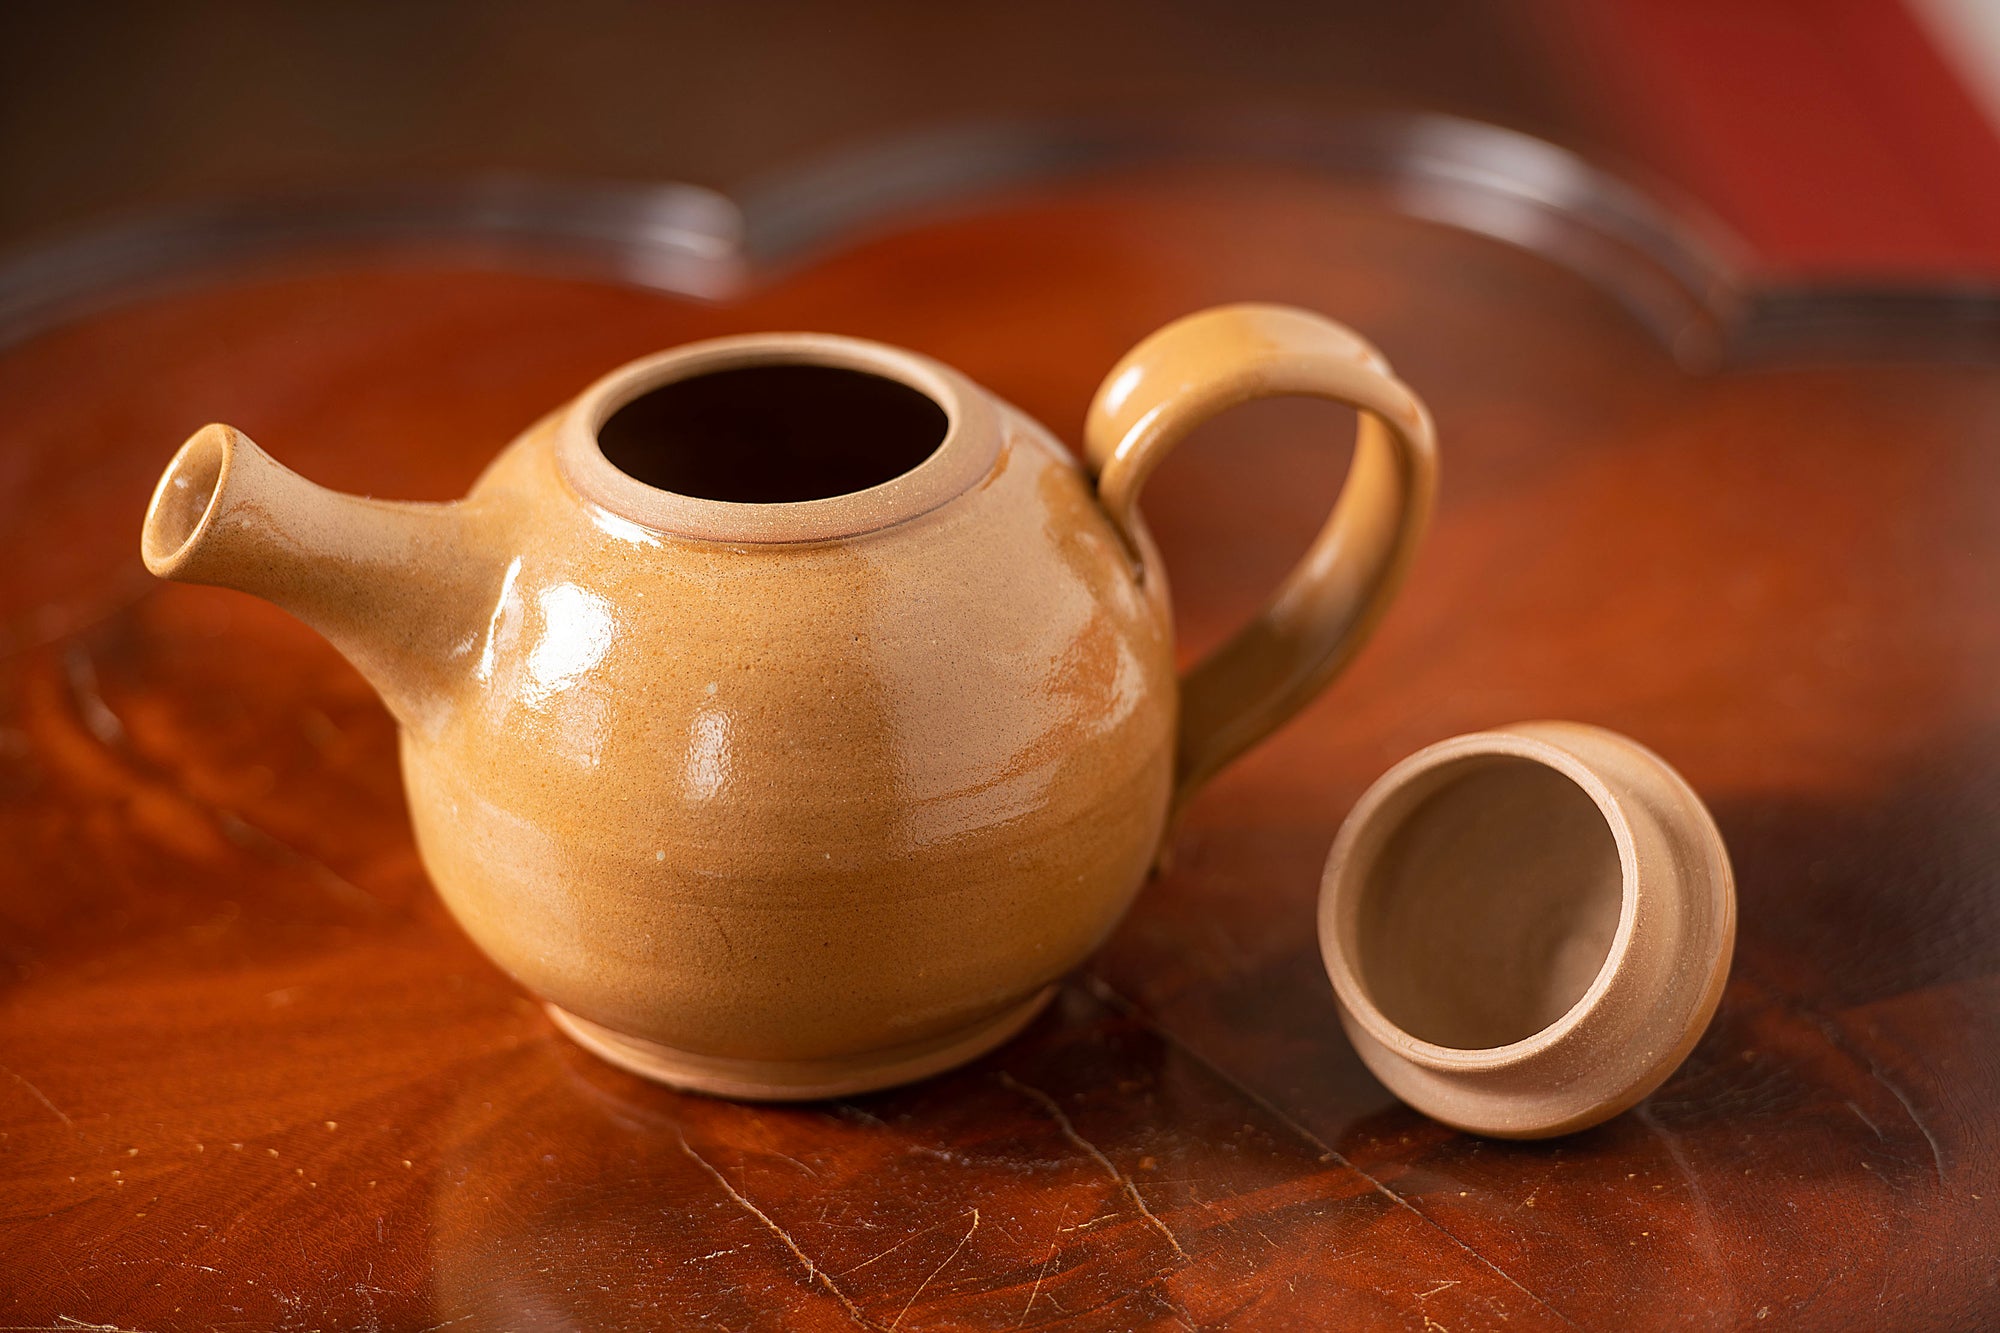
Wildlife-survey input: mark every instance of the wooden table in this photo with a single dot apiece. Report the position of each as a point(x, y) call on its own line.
point(252, 1076)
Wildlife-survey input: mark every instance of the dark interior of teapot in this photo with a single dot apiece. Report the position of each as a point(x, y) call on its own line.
point(774, 434)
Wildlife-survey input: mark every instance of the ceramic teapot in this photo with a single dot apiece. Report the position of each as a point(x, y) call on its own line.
point(787, 711)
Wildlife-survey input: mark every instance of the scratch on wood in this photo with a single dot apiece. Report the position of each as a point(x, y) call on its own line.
point(1862, 1116)
point(1937, 1153)
point(704, 1258)
point(1643, 1113)
point(1426, 1295)
point(1043, 1271)
point(1093, 1222)
point(168, 1263)
point(934, 1272)
point(89, 698)
point(892, 1249)
point(1834, 1039)
point(1100, 988)
point(1068, 1129)
point(1555, 1165)
point(813, 1271)
point(55, 1110)
point(447, 1323)
point(86, 697)
point(797, 1163)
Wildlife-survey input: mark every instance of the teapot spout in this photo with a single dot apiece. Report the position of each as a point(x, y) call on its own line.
point(401, 589)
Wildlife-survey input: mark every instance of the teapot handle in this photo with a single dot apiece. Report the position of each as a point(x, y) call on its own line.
point(1325, 609)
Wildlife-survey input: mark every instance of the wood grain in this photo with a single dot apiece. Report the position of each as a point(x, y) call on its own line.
point(251, 1076)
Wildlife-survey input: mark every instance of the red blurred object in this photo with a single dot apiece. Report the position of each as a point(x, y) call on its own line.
point(1833, 137)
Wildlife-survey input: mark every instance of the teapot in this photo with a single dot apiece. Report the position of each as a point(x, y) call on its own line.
point(788, 712)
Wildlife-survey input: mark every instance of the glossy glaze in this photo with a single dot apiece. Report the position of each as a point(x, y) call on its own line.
point(788, 800)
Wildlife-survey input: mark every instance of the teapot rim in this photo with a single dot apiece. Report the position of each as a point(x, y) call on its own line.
point(968, 451)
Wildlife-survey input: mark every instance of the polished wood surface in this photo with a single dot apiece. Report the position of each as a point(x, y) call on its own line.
point(251, 1076)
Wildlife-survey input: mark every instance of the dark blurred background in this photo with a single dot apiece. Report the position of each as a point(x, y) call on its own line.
point(113, 107)
point(1850, 134)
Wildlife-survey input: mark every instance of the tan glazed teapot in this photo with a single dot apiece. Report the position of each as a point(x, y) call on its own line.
point(789, 712)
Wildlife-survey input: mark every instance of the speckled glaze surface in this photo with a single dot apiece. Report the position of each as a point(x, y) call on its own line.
point(798, 799)
point(1528, 928)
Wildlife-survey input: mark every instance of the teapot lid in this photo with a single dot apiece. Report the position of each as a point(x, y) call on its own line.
point(1527, 929)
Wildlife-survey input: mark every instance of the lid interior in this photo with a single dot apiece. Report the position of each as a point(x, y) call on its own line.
point(1491, 904)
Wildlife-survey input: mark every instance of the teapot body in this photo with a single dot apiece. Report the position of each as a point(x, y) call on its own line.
point(758, 816)
point(788, 712)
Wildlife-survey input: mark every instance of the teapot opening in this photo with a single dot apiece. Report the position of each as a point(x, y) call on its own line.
point(778, 438)
point(774, 433)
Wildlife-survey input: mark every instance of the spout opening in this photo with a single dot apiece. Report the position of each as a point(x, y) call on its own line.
point(185, 499)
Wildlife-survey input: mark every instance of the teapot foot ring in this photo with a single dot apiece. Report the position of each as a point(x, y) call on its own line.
point(799, 1080)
